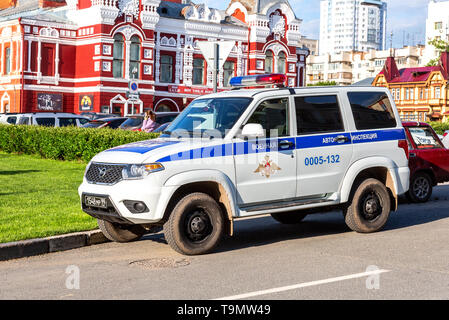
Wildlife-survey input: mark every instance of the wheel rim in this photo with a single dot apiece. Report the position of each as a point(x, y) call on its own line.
point(197, 225)
point(421, 187)
point(371, 205)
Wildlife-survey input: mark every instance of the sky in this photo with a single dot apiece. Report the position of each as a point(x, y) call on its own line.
point(406, 18)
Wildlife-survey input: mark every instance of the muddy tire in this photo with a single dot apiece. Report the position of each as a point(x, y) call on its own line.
point(121, 233)
point(420, 188)
point(196, 225)
point(289, 217)
point(370, 207)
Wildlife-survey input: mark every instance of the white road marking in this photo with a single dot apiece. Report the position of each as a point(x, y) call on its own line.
point(303, 285)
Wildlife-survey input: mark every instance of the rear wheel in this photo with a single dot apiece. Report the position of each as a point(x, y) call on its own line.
point(370, 207)
point(420, 188)
point(121, 233)
point(289, 217)
point(196, 225)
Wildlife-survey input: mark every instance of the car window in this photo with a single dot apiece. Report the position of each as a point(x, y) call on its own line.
point(165, 118)
point(132, 122)
point(47, 122)
point(24, 120)
point(318, 114)
point(11, 120)
point(66, 122)
point(114, 124)
point(424, 138)
point(83, 121)
point(273, 116)
point(371, 110)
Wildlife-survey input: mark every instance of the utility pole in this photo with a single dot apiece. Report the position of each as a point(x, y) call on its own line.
point(216, 64)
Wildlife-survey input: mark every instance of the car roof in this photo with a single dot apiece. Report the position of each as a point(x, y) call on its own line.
point(244, 92)
point(415, 124)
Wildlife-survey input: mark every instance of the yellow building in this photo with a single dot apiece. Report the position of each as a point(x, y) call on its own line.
point(420, 94)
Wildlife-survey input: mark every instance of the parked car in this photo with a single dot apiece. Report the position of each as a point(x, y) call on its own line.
point(445, 139)
point(428, 160)
point(112, 123)
point(48, 119)
point(135, 122)
point(162, 128)
point(285, 152)
point(8, 118)
point(98, 115)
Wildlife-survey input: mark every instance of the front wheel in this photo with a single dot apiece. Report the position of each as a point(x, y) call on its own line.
point(420, 188)
point(196, 225)
point(121, 233)
point(370, 207)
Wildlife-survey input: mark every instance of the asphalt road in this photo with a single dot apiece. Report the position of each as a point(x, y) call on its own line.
point(318, 259)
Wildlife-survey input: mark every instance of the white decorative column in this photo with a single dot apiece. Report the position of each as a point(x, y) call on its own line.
point(39, 59)
point(30, 42)
point(2, 57)
point(57, 64)
point(240, 71)
point(178, 65)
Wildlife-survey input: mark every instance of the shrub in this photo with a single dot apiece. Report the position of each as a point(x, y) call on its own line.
point(439, 127)
point(67, 143)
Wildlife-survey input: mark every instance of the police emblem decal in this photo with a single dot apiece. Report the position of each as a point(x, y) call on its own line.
point(267, 167)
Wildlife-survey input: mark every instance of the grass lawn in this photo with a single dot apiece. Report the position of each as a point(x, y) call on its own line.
point(39, 197)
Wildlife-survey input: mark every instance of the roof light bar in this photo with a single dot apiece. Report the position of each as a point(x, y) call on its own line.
point(259, 80)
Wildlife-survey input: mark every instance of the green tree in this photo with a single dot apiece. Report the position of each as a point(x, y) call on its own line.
point(441, 46)
point(322, 84)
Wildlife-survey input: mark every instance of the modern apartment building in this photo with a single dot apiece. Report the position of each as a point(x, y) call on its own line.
point(311, 44)
point(352, 25)
point(352, 66)
point(437, 26)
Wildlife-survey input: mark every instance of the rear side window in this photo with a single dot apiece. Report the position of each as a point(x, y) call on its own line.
point(24, 120)
point(11, 120)
point(66, 122)
point(371, 110)
point(318, 114)
point(47, 122)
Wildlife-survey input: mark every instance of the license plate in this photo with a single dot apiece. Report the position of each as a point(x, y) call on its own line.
point(98, 202)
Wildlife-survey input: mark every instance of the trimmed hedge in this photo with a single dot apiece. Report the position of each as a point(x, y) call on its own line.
point(66, 143)
point(439, 127)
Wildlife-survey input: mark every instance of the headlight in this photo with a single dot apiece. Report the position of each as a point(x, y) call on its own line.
point(139, 171)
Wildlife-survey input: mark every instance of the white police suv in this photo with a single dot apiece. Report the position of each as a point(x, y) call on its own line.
point(280, 151)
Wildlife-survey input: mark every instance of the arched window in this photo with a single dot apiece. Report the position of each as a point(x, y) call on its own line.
point(117, 67)
point(269, 62)
point(163, 108)
point(134, 58)
point(281, 62)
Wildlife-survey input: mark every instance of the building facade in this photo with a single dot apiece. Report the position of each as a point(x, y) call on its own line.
point(126, 56)
point(352, 25)
point(420, 94)
point(437, 26)
point(349, 67)
point(311, 44)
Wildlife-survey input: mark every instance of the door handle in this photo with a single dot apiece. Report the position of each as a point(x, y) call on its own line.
point(342, 139)
point(412, 155)
point(286, 144)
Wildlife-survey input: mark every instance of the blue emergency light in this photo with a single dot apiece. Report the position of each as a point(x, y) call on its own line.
point(259, 80)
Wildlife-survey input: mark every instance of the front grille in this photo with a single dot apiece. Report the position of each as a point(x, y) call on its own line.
point(104, 173)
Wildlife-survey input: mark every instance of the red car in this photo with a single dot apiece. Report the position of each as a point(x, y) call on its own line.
point(428, 160)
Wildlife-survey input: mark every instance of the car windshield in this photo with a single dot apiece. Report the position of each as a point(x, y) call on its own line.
point(132, 122)
point(214, 116)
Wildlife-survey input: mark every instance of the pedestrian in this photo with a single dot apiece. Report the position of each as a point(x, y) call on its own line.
point(149, 121)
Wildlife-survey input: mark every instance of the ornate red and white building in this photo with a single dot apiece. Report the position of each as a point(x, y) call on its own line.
point(82, 55)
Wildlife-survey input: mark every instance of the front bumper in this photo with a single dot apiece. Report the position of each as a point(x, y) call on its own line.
point(116, 211)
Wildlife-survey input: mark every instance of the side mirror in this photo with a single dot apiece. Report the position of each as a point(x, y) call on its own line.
point(253, 130)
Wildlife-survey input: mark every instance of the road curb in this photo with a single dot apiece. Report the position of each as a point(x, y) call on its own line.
point(33, 247)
